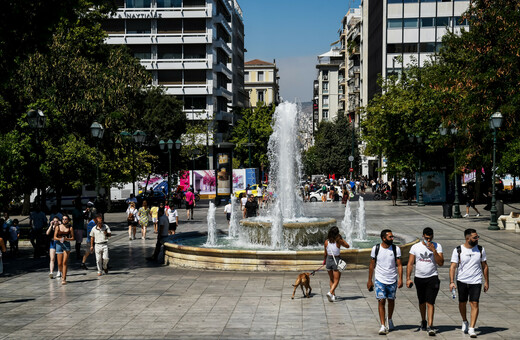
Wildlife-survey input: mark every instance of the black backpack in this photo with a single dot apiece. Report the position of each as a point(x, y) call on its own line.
point(393, 249)
point(459, 250)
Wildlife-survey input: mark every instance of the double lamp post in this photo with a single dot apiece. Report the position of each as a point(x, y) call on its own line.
point(169, 145)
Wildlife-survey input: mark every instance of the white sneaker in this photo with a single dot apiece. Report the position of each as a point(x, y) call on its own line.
point(391, 326)
point(333, 298)
point(466, 215)
point(478, 215)
point(51, 276)
point(383, 330)
point(58, 275)
point(465, 326)
point(471, 332)
point(330, 297)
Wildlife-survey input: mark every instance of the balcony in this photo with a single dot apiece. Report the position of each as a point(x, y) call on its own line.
point(225, 116)
point(176, 64)
point(163, 12)
point(154, 38)
point(224, 69)
point(186, 89)
point(352, 72)
point(222, 20)
point(223, 92)
point(353, 33)
point(223, 45)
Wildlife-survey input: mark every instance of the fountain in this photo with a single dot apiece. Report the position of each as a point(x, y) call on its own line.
point(283, 239)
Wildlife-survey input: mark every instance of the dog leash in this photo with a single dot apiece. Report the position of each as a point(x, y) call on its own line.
point(314, 271)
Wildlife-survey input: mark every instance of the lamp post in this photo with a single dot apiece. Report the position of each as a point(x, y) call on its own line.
point(495, 121)
point(162, 145)
point(419, 140)
point(97, 132)
point(453, 132)
point(138, 137)
point(36, 120)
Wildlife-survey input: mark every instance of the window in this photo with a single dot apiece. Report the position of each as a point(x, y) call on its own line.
point(401, 48)
point(194, 3)
point(246, 76)
point(409, 1)
point(428, 47)
point(194, 51)
point(410, 22)
point(169, 26)
point(195, 76)
point(196, 25)
point(169, 3)
point(427, 22)
point(113, 26)
point(443, 21)
point(394, 23)
point(169, 77)
point(260, 75)
point(169, 51)
point(325, 115)
point(459, 21)
point(325, 101)
point(138, 3)
point(261, 95)
point(325, 87)
point(198, 102)
point(141, 51)
point(395, 1)
point(138, 26)
point(325, 74)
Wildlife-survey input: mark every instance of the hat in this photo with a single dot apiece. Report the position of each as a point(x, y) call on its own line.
point(90, 204)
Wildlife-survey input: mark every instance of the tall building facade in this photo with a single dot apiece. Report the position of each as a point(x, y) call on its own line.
point(327, 87)
point(193, 48)
point(262, 82)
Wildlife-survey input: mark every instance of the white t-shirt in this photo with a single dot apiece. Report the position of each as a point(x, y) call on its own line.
point(227, 208)
point(172, 215)
point(386, 266)
point(470, 269)
point(243, 201)
point(425, 265)
point(259, 191)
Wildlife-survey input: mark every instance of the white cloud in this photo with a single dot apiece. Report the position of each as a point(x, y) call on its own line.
point(296, 77)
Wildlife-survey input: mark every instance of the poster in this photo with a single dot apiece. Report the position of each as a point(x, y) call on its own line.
point(433, 187)
point(239, 179)
point(224, 172)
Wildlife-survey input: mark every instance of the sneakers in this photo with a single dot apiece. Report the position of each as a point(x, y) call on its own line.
point(431, 331)
point(106, 270)
point(478, 215)
point(99, 274)
point(51, 276)
point(383, 330)
point(130, 238)
point(466, 215)
point(471, 332)
point(330, 297)
point(58, 275)
point(84, 266)
point(465, 326)
point(423, 326)
point(333, 298)
point(391, 326)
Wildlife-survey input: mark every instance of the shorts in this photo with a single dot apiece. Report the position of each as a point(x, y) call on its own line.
point(172, 226)
point(61, 247)
point(470, 204)
point(469, 290)
point(385, 291)
point(427, 289)
point(154, 219)
point(78, 235)
point(228, 216)
point(330, 264)
point(52, 244)
point(189, 206)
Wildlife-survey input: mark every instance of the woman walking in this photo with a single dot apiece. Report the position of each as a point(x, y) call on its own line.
point(131, 217)
point(63, 234)
point(144, 217)
point(333, 244)
point(55, 222)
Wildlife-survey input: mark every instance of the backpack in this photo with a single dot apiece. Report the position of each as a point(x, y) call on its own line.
point(131, 217)
point(459, 250)
point(393, 249)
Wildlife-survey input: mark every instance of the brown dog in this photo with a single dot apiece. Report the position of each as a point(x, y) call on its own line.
point(303, 279)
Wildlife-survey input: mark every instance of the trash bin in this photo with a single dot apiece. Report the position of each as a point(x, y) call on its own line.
point(447, 210)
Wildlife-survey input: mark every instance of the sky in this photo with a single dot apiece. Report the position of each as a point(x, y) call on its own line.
point(294, 33)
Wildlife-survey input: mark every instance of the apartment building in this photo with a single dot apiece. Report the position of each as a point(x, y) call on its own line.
point(327, 86)
point(194, 48)
point(262, 82)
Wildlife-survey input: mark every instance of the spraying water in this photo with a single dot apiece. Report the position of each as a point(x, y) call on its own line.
point(285, 161)
point(277, 239)
point(212, 226)
point(360, 219)
point(235, 216)
point(346, 226)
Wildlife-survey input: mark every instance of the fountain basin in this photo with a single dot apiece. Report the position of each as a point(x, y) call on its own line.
point(183, 256)
point(298, 233)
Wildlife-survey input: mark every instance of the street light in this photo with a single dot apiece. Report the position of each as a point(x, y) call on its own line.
point(162, 145)
point(495, 122)
point(138, 137)
point(419, 140)
point(97, 132)
point(453, 132)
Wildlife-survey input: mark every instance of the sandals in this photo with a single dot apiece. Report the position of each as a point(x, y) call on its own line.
point(63, 282)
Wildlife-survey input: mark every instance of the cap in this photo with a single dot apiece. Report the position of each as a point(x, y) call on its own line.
point(90, 204)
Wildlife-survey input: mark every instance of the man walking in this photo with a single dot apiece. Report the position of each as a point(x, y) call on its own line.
point(426, 255)
point(161, 236)
point(469, 261)
point(386, 259)
point(99, 237)
point(90, 225)
point(251, 207)
point(37, 221)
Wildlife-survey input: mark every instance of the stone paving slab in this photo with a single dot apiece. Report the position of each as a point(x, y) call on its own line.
point(141, 300)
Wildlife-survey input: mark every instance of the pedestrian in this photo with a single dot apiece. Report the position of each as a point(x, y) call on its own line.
point(91, 224)
point(470, 200)
point(332, 245)
point(470, 263)
point(153, 212)
point(173, 219)
point(227, 210)
point(259, 194)
point(190, 203)
point(3, 249)
point(161, 236)
point(14, 235)
point(251, 207)
point(78, 224)
point(99, 243)
point(144, 218)
point(386, 260)
point(243, 200)
point(37, 221)
point(63, 234)
point(51, 230)
point(427, 256)
point(131, 218)
point(130, 200)
point(393, 193)
point(324, 193)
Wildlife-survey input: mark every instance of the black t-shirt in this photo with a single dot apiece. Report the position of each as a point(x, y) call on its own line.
point(251, 207)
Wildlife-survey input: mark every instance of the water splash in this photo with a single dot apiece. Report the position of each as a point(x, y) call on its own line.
point(277, 236)
point(360, 220)
point(212, 226)
point(234, 224)
point(346, 226)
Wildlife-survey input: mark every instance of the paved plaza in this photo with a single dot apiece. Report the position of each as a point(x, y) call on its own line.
point(139, 299)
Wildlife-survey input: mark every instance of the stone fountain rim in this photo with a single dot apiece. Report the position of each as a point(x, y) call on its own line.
point(296, 224)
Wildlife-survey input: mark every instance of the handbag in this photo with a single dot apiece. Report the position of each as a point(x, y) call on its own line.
point(342, 265)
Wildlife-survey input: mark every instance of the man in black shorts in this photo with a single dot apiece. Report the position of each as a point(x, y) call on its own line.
point(470, 262)
point(427, 256)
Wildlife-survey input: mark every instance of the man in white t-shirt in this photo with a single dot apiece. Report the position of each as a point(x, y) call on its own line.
point(386, 260)
point(426, 255)
point(173, 219)
point(227, 211)
point(470, 262)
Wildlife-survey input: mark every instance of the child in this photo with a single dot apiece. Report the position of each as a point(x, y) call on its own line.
point(14, 233)
point(154, 211)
